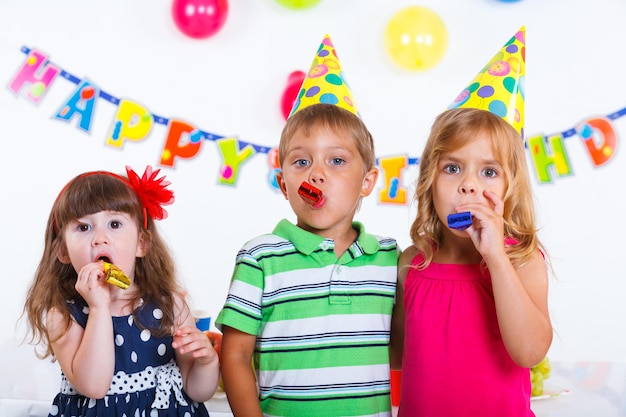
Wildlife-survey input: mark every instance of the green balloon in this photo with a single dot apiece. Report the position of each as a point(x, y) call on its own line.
point(298, 4)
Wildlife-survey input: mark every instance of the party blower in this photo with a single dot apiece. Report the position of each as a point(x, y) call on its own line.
point(460, 221)
point(311, 194)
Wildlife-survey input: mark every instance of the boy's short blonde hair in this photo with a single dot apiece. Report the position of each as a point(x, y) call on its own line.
point(338, 120)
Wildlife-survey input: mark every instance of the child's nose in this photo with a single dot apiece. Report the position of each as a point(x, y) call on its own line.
point(467, 187)
point(317, 175)
point(99, 237)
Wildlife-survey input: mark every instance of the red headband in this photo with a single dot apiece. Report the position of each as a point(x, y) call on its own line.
point(152, 191)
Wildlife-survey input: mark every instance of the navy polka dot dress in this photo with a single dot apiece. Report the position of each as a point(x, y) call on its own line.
point(146, 382)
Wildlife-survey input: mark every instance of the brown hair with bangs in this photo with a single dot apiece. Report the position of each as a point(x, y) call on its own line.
point(451, 130)
point(54, 282)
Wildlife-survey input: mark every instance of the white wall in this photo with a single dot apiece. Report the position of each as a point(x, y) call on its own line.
point(230, 84)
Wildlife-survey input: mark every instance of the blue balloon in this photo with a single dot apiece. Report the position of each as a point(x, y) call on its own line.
point(271, 178)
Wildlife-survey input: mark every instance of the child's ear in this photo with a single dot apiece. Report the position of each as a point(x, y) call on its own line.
point(369, 181)
point(281, 184)
point(62, 256)
point(142, 246)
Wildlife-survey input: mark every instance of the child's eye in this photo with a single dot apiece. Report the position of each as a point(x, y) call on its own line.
point(337, 161)
point(301, 162)
point(490, 172)
point(83, 227)
point(452, 169)
point(115, 224)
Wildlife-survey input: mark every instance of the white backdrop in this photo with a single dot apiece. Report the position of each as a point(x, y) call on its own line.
point(231, 83)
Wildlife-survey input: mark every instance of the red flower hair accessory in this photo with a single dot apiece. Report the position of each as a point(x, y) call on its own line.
point(152, 191)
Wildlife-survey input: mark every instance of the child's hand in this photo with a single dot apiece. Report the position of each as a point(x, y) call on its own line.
point(487, 230)
point(91, 285)
point(190, 340)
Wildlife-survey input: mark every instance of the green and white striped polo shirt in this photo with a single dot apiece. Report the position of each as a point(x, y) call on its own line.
point(322, 323)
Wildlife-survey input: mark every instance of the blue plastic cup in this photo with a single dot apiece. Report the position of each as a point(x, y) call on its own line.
point(203, 320)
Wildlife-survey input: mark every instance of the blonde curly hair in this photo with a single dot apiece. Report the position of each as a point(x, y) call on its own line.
point(451, 130)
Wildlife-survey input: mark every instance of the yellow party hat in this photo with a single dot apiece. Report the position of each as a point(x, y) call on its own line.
point(499, 87)
point(325, 82)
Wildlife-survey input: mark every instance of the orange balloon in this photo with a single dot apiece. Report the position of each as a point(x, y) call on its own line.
point(416, 38)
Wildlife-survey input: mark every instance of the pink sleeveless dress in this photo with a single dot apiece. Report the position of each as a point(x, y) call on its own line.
point(455, 363)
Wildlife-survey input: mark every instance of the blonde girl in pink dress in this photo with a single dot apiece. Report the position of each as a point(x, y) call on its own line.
point(471, 314)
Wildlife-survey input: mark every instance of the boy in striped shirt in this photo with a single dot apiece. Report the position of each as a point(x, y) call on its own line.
point(310, 303)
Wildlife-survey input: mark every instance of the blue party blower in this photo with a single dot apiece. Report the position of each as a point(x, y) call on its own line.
point(460, 221)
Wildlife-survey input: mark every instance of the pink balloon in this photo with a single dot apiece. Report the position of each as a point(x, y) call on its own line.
point(199, 18)
point(291, 92)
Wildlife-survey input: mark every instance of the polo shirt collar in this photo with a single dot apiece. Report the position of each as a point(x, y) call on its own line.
point(307, 242)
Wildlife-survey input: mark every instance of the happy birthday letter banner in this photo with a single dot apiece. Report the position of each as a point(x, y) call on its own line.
point(133, 123)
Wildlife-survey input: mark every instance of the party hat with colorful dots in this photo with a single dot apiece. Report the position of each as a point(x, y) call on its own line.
point(325, 82)
point(499, 87)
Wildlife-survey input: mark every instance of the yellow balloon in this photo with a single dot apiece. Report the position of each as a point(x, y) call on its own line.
point(416, 38)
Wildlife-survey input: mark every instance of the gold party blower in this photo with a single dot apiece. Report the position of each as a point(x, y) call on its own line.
point(116, 276)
